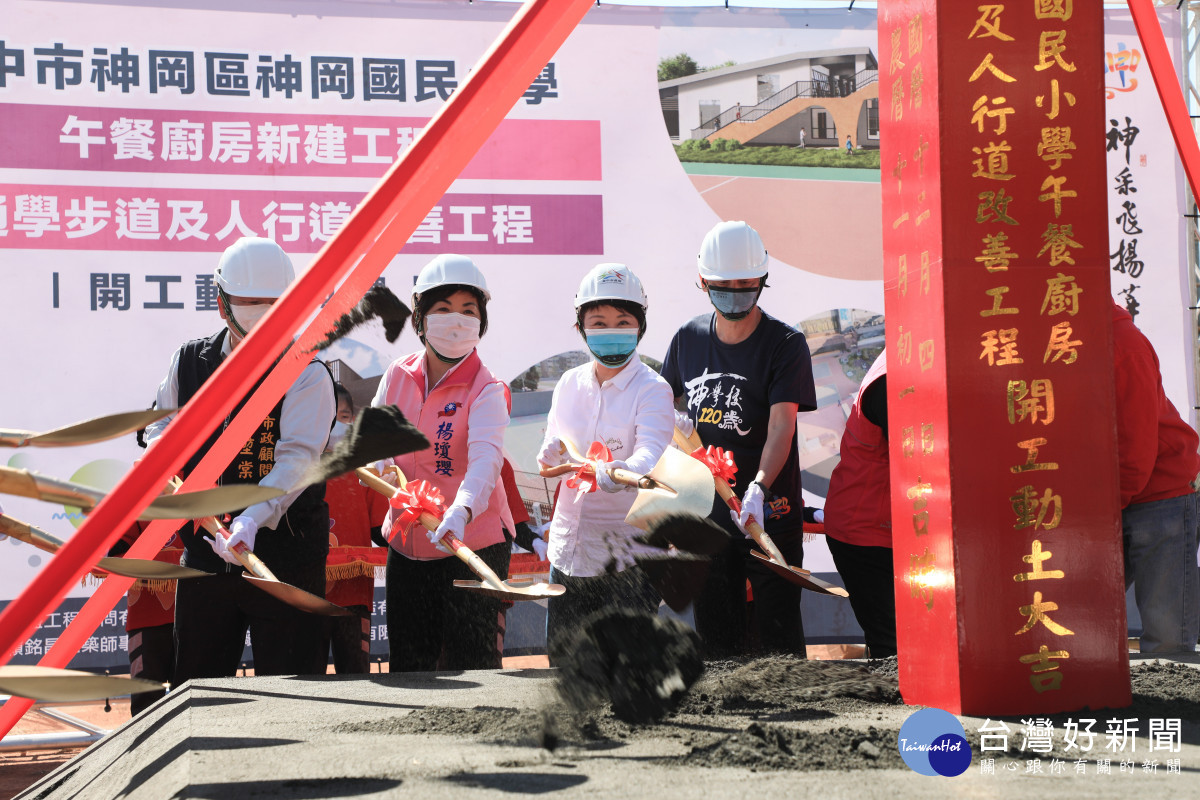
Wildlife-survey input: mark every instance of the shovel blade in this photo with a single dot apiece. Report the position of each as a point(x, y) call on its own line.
point(693, 485)
point(514, 592)
point(298, 598)
point(802, 579)
point(148, 569)
point(49, 685)
point(97, 430)
point(209, 502)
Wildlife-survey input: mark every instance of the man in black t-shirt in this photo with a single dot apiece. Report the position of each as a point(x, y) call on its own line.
point(741, 376)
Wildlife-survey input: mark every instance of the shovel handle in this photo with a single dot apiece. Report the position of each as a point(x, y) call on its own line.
point(577, 460)
point(472, 560)
point(554, 472)
point(687, 443)
point(24, 532)
point(760, 537)
point(24, 483)
point(378, 484)
point(374, 482)
point(621, 476)
point(758, 534)
point(243, 554)
point(430, 522)
point(14, 438)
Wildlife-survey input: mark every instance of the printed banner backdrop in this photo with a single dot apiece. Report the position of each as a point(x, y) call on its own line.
point(1148, 233)
point(139, 142)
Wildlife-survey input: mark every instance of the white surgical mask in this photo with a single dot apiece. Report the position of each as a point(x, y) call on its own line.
point(337, 434)
point(247, 316)
point(452, 336)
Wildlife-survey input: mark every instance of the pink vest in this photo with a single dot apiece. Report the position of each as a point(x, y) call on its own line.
point(859, 508)
point(442, 417)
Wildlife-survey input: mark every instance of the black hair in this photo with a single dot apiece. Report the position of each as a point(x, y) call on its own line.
point(628, 306)
point(431, 297)
point(340, 393)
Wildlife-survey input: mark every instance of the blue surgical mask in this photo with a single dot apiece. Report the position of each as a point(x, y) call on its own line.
point(612, 348)
point(734, 304)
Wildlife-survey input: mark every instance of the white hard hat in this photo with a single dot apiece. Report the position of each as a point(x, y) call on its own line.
point(732, 251)
point(447, 269)
point(254, 267)
point(611, 282)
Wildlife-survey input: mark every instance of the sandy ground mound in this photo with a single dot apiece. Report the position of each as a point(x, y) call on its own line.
point(774, 747)
point(773, 727)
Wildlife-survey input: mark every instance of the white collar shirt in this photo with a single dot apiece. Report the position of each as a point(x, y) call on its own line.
point(633, 415)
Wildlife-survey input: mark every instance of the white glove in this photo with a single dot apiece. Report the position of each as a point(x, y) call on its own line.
point(605, 481)
point(552, 453)
point(684, 423)
point(819, 515)
point(453, 521)
point(752, 508)
point(382, 468)
point(242, 530)
point(539, 548)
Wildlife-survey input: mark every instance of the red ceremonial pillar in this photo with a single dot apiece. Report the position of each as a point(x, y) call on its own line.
point(1006, 522)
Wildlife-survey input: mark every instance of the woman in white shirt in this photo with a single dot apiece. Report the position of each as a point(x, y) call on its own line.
point(620, 402)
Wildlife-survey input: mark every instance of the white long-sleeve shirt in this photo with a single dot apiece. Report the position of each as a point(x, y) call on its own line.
point(633, 415)
point(487, 419)
point(308, 412)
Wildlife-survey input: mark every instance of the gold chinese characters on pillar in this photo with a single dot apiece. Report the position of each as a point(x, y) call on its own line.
point(1002, 352)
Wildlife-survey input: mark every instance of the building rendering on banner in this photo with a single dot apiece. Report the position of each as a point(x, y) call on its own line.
point(827, 94)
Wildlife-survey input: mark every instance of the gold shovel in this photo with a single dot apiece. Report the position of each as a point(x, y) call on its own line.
point(93, 430)
point(50, 685)
point(219, 500)
point(773, 558)
point(262, 577)
point(678, 484)
point(489, 583)
point(145, 569)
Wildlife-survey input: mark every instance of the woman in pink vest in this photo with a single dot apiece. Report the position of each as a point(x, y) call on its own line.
point(447, 392)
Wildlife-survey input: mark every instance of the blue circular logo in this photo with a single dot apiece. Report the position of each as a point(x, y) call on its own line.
point(933, 742)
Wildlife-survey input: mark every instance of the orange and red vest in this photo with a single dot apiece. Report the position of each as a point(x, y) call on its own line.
point(859, 507)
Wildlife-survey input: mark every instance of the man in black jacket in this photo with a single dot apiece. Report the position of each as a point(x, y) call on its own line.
point(289, 533)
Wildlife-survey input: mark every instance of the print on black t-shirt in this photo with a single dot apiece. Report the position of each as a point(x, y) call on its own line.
point(729, 390)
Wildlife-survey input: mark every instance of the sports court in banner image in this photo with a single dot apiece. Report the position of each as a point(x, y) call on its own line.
point(786, 199)
point(746, 398)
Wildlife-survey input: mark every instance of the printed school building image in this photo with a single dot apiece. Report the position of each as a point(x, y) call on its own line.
point(827, 94)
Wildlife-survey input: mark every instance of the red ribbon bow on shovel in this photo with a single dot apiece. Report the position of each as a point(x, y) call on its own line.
point(719, 462)
point(584, 478)
point(414, 500)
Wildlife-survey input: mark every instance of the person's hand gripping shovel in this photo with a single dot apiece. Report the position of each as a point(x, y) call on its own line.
point(722, 468)
point(421, 502)
point(672, 504)
point(261, 576)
